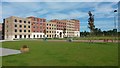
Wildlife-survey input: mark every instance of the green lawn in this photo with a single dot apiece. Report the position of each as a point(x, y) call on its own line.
point(62, 54)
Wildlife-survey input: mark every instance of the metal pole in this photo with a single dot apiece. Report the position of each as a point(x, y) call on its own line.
point(115, 24)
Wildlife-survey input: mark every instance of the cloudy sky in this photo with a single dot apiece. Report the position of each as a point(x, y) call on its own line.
point(103, 11)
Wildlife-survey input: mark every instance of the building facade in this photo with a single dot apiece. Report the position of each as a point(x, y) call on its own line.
point(0, 31)
point(34, 27)
point(38, 25)
point(51, 29)
point(17, 28)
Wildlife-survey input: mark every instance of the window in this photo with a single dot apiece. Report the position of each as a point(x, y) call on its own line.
point(24, 26)
point(15, 36)
point(47, 35)
point(20, 30)
point(24, 21)
point(50, 35)
point(47, 31)
point(24, 30)
point(28, 30)
point(37, 35)
point(24, 36)
point(28, 22)
point(20, 21)
point(15, 20)
point(15, 30)
point(20, 26)
point(28, 36)
point(50, 31)
point(47, 27)
point(28, 26)
point(15, 25)
point(34, 36)
point(20, 36)
point(41, 36)
point(44, 20)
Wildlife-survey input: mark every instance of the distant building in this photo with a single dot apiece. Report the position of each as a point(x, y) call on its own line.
point(51, 29)
point(0, 31)
point(34, 27)
point(17, 28)
point(38, 25)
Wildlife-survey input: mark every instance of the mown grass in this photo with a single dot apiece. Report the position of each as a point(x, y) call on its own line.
point(44, 53)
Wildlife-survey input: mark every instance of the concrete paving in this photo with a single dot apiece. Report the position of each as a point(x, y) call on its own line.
point(6, 52)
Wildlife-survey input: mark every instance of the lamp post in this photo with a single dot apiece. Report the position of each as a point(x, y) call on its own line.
point(115, 23)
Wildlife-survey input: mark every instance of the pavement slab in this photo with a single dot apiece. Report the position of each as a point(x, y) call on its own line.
point(6, 51)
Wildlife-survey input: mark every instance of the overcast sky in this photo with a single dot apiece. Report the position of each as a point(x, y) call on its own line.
point(103, 11)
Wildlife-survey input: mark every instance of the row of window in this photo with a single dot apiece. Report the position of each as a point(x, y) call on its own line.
point(51, 25)
point(21, 26)
point(61, 23)
point(51, 31)
point(37, 31)
point(22, 21)
point(21, 30)
point(20, 36)
point(39, 36)
point(51, 28)
point(37, 19)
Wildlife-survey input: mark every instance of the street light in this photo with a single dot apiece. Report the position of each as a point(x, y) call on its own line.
point(115, 23)
point(115, 19)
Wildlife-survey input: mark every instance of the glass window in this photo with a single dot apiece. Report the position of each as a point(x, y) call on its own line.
point(24, 26)
point(24, 30)
point(20, 21)
point(37, 35)
point(34, 36)
point(40, 35)
point(15, 30)
point(24, 21)
point(28, 26)
point(20, 26)
point(15, 36)
point(28, 30)
point(24, 36)
point(28, 36)
point(15, 25)
point(20, 30)
point(15, 20)
point(28, 22)
point(20, 36)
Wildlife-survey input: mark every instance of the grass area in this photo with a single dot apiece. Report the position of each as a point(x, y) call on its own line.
point(44, 53)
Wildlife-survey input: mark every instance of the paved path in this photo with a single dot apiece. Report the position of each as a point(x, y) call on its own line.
point(5, 52)
point(83, 41)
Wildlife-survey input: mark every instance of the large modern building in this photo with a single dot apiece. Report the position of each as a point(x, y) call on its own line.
point(34, 27)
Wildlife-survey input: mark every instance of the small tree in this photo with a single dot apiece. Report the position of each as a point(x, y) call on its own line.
point(91, 23)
